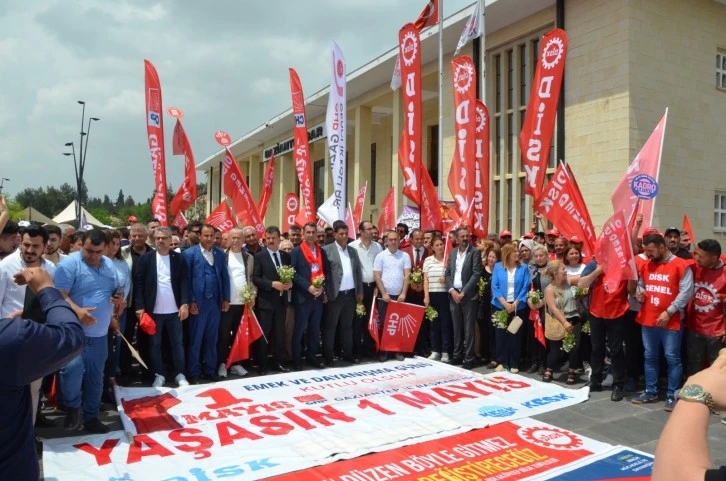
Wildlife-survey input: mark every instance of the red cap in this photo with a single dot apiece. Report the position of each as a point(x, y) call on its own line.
point(529, 235)
point(650, 230)
point(553, 232)
point(132, 218)
point(575, 240)
point(505, 233)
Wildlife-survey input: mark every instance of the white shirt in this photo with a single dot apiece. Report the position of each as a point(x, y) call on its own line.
point(346, 283)
point(12, 296)
point(367, 257)
point(207, 255)
point(165, 302)
point(272, 256)
point(510, 284)
point(237, 276)
point(435, 270)
point(391, 266)
point(460, 256)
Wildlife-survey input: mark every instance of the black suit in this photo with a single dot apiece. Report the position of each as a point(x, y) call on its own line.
point(270, 306)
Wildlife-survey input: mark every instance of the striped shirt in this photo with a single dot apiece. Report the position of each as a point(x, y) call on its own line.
point(435, 270)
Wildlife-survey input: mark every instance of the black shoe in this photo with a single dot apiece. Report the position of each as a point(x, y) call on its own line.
point(382, 357)
point(213, 377)
point(194, 380)
point(74, 419)
point(329, 361)
point(351, 360)
point(41, 421)
point(467, 365)
point(595, 387)
point(297, 365)
point(96, 426)
point(280, 368)
point(532, 369)
point(262, 371)
point(457, 361)
point(38, 447)
point(617, 394)
point(316, 364)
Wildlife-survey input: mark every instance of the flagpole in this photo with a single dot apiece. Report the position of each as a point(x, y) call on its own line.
point(441, 101)
point(483, 54)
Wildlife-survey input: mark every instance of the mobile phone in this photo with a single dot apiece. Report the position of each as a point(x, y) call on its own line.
point(118, 292)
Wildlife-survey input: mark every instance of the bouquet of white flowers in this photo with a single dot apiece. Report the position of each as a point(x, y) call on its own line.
point(568, 342)
point(286, 274)
point(500, 319)
point(360, 309)
point(431, 313)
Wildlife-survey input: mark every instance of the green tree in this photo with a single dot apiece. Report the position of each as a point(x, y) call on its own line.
point(120, 199)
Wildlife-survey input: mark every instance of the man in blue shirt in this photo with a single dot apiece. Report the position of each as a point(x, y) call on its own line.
point(87, 280)
point(28, 351)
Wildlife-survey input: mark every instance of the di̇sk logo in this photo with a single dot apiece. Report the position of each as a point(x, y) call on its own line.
point(481, 119)
point(551, 438)
point(292, 204)
point(552, 52)
point(705, 297)
point(406, 324)
point(410, 48)
point(463, 77)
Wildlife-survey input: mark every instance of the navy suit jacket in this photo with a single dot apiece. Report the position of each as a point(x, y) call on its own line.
point(196, 263)
point(301, 280)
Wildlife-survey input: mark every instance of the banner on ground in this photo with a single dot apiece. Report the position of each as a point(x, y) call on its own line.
point(462, 173)
point(619, 463)
point(322, 416)
point(539, 119)
point(409, 148)
point(155, 133)
point(480, 213)
point(222, 218)
point(187, 193)
point(301, 154)
point(335, 126)
point(292, 205)
point(614, 252)
point(268, 186)
point(401, 326)
point(235, 187)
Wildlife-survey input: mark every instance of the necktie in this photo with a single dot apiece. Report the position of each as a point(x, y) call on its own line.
point(415, 257)
point(277, 260)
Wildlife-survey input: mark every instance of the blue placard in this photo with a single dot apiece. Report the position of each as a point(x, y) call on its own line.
point(644, 186)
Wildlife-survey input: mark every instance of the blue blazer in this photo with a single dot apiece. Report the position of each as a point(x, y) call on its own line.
point(196, 262)
point(499, 285)
point(301, 280)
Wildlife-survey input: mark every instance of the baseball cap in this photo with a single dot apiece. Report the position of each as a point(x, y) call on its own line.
point(553, 232)
point(574, 240)
point(23, 223)
point(673, 229)
point(505, 233)
point(528, 235)
point(650, 230)
point(132, 218)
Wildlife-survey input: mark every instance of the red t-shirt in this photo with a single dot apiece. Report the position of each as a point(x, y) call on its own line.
point(661, 289)
point(608, 305)
point(705, 311)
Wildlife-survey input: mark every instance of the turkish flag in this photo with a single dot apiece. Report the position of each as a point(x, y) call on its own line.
point(267, 187)
point(401, 325)
point(221, 218)
point(614, 252)
point(535, 317)
point(387, 219)
point(687, 228)
point(373, 321)
point(248, 332)
point(429, 15)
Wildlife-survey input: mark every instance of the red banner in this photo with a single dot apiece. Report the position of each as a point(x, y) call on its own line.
point(350, 222)
point(646, 162)
point(222, 218)
point(248, 332)
point(235, 187)
point(187, 193)
point(430, 208)
point(292, 206)
point(360, 201)
point(687, 227)
point(429, 15)
point(155, 133)
point(462, 185)
point(400, 328)
point(373, 321)
point(267, 187)
point(562, 204)
point(387, 219)
point(409, 149)
point(614, 252)
point(301, 154)
point(539, 120)
point(180, 221)
point(480, 225)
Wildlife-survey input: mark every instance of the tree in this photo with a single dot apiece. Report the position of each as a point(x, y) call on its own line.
point(130, 201)
point(106, 204)
point(120, 199)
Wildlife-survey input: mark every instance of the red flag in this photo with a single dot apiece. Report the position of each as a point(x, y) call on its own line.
point(267, 187)
point(360, 201)
point(53, 394)
point(352, 231)
point(222, 218)
point(292, 206)
point(180, 221)
point(646, 162)
point(400, 328)
point(301, 154)
point(539, 120)
point(687, 228)
point(155, 133)
point(187, 193)
point(480, 213)
point(430, 209)
point(302, 217)
point(614, 252)
point(429, 15)
point(235, 187)
point(535, 317)
point(562, 204)
point(409, 149)
point(463, 165)
point(248, 332)
point(387, 219)
point(373, 321)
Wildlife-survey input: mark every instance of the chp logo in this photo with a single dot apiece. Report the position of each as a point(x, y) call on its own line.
point(222, 138)
point(175, 112)
point(299, 120)
point(310, 399)
point(705, 297)
point(463, 76)
point(339, 76)
point(409, 48)
point(406, 324)
point(550, 438)
point(552, 52)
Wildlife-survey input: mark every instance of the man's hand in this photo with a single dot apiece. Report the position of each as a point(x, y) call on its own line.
point(401, 298)
point(640, 297)
point(183, 312)
point(193, 308)
point(315, 292)
point(84, 315)
point(114, 326)
point(386, 297)
point(639, 219)
point(36, 278)
point(139, 314)
point(359, 298)
point(277, 285)
point(457, 296)
point(225, 306)
point(663, 319)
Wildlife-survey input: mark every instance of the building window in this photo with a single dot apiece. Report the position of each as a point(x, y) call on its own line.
point(721, 69)
point(719, 211)
point(373, 174)
point(319, 181)
point(434, 154)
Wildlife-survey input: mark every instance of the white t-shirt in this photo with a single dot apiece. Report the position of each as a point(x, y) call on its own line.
point(165, 301)
point(391, 267)
point(237, 276)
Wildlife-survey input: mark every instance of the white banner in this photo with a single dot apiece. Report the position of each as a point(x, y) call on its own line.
point(328, 211)
point(472, 29)
point(335, 125)
point(266, 426)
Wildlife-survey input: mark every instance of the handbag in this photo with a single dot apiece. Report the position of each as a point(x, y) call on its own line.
point(554, 329)
point(514, 325)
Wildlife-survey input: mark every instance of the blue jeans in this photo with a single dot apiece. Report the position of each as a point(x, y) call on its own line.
point(82, 378)
point(173, 327)
point(653, 338)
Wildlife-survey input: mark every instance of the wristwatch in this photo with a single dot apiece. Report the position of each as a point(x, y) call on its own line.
point(696, 393)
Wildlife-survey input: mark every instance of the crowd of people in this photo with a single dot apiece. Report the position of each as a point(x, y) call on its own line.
point(178, 296)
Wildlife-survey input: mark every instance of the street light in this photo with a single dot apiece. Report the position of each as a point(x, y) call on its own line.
point(80, 163)
point(2, 181)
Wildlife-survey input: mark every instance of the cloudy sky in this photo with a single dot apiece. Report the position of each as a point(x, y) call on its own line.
point(223, 62)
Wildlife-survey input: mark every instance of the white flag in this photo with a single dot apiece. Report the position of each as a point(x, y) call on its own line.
point(396, 77)
point(472, 29)
point(335, 125)
point(328, 211)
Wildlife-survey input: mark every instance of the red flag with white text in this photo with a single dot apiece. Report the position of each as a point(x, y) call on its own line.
point(480, 213)
point(235, 187)
point(248, 332)
point(462, 174)
point(352, 230)
point(401, 326)
point(539, 119)
point(387, 219)
point(536, 319)
point(180, 221)
point(292, 207)
point(221, 218)
point(267, 187)
point(155, 133)
point(429, 15)
point(614, 252)
point(301, 152)
point(646, 162)
point(409, 149)
point(360, 201)
point(430, 209)
point(187, 193)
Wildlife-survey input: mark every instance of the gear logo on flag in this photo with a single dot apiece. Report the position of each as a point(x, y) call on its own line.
point(410, 48)
point(552, 53)
point(481, 119)
point(550, 438)
point(705, 297)
point(463, 77)
point(292, 204)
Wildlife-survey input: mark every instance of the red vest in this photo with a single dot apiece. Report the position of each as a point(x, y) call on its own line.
point(705, 311)
point(608, 305)
point(661, 289)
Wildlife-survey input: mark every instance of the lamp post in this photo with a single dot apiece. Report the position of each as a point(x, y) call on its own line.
point(79, 164)
point(2, 181)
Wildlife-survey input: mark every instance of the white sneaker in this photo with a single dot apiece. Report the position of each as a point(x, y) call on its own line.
point(445, 358)
point(435, 356)
point(499, 368)
point(399, 357)
point(181, 381)
point(238, 370)
point(158, 381)
point(222, 371)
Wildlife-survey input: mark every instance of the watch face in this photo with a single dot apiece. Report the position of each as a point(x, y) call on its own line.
point(692, 391)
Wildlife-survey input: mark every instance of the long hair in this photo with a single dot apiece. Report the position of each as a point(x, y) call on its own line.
point(507, 250)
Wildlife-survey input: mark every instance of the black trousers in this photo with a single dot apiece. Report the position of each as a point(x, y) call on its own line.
point(555, 348)
point(486, 329)
point(341, 312)
point(634, 354)
point(228, 325)
point(422, 339)
point(272, 322)
point(700, 348)
point(612, 331)
point(363, 344)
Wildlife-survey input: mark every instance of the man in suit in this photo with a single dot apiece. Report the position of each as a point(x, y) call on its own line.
point(162, 291)
point(209, 297)
point(345, 287)
point(463, 272)
point(272, 299)
point(309, 262)
point(418, 253)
